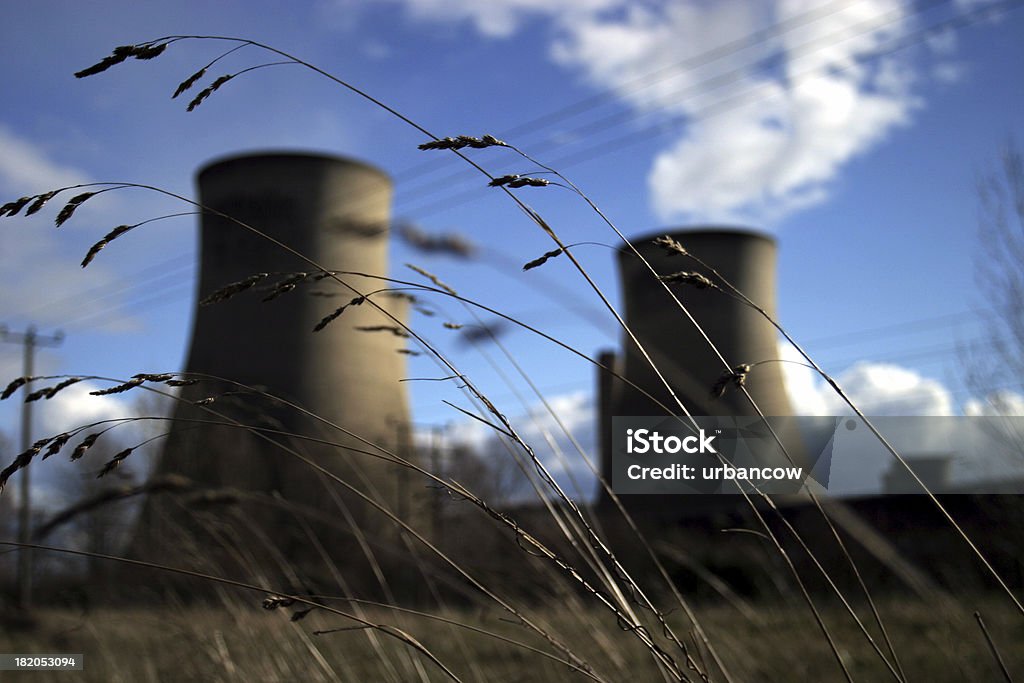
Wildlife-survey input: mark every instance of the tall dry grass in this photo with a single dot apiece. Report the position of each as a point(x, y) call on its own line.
point(549, 592)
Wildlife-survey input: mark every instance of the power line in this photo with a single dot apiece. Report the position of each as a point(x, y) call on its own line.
point(178, 264)
point(159, 297)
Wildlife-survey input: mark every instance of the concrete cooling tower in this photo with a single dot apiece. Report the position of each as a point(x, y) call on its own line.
point(745, 258)
point(339, 385)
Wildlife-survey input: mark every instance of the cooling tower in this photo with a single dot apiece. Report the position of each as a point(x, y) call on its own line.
point(340, 385)
point(676, 346)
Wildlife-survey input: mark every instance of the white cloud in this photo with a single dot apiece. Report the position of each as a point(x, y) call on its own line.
point(877, 389)
point(764, 128)
point(1003, 403)
point(73, 407)
point(38, 265)
point(25, 169)
point(777, 148)
point(885, 389)
point(803, 385)
point(501, 19)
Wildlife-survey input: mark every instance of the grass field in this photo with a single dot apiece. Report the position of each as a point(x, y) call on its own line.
point(245, 643)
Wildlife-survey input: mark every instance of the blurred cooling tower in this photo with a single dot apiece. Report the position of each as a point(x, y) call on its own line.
point(682, 354)
point(334, 211)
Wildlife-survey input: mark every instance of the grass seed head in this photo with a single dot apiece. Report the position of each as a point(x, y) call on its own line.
point(736, 377)
point(671, 246)
point(543, 259)
point(86, 444)
point(114, 462)
point(60, 387)
point(188, 82)
point(22, 460)
point(272, 602)
point(107, 239)
point(40, 202)
point(38, 394)
point(15, 385)
point(151, 377)
point(688, 278)
point(463, 141)
point(228, 291)
point(518, 181)
point(12, 208)
point(120, 54)
point(209, 90)
point(448, 243)
point(286, 285)
point(430, 276)
point(393, 329)
point(71, 206)
point(56, 444)
point(120, 388)
point(148, 51)
point(327, 320)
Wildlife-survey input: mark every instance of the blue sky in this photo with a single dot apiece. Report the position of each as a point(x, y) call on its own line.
point(799, 118)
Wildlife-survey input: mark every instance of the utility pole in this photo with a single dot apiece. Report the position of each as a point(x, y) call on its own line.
point(436, 519)
point(29, 339)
